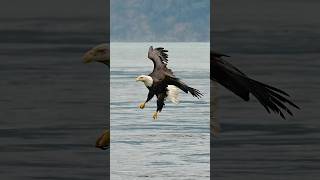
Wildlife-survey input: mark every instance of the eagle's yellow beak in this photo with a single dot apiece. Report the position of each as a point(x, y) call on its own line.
point(137, 79)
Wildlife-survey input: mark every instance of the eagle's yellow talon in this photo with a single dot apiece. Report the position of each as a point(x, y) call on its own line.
point(142, 105)
point(155, 115)
point(103, 142)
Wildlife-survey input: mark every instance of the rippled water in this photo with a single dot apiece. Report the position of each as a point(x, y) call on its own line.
point(276, 45)
point(254, 144)
point(176, 146)
point(53, 106)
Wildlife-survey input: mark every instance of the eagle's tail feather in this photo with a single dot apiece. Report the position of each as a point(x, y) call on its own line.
point(173, 94)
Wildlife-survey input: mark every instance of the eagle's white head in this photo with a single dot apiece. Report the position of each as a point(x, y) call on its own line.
point(100, 53)
point(147, 80)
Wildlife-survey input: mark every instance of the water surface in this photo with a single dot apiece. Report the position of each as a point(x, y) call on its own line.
point(53, 106)
point(176, 146)
point(275, 44)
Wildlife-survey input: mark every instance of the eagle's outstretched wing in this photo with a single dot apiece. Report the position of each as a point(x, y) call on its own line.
point(236, 81)
point(216, 54)
point(185, 88)
point(159, 58)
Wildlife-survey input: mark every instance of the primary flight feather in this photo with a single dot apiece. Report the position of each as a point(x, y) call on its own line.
point(271, 98)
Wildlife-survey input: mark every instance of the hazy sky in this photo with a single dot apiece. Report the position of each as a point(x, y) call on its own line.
point(165, 20)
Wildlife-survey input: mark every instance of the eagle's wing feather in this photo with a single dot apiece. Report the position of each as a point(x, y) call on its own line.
point(159, 58)
point(230, 77)
point(185, 88)
point(216, 54)
point(236, 81)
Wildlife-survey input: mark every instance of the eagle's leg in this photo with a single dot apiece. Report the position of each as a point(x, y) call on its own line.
point(142, 105)
point(155, 115)
point(150, 96)
point(160, 104)
point(216, 130)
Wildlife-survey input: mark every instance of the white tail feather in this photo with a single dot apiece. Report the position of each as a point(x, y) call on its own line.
point(173, 94)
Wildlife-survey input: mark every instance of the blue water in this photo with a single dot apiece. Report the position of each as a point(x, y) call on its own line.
point(176, 146)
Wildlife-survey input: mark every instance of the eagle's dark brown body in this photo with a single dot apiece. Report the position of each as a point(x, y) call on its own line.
point(162, 77)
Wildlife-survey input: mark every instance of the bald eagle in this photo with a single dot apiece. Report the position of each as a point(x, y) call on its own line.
point(100, 53)
point(162, 83)
point(271, 98)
